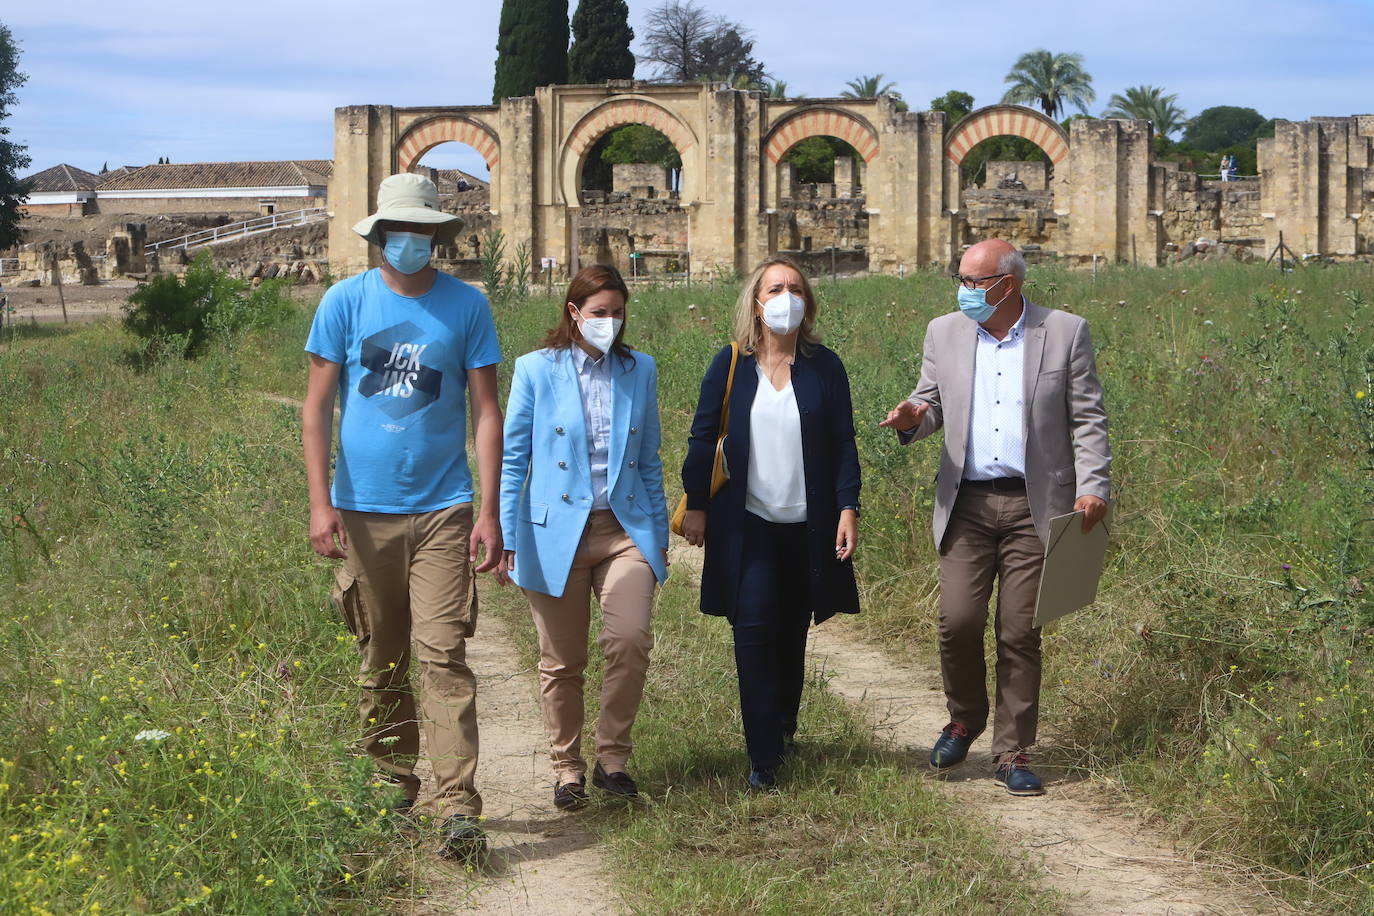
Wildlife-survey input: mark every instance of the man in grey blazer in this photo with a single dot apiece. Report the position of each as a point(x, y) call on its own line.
point(1014, 385)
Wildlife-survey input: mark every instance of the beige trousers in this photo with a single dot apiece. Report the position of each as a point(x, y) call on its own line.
point(408, 577)
point(607, 563)
point(991, 536)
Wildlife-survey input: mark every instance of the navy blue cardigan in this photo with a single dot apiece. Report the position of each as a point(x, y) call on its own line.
point(830, 462)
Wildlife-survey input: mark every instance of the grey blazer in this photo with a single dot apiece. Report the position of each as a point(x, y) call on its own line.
point(1064, 422)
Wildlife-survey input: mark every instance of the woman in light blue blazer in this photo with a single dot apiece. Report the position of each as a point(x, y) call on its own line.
point(582, 511)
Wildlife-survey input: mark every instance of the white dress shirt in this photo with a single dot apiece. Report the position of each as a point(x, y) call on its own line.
point(996, 443)
point(594, 379)
point(776, 489)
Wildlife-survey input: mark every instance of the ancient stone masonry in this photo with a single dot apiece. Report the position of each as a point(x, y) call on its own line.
point(902, 203)
point(48, 263)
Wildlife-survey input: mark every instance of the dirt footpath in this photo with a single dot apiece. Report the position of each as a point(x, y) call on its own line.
point(1104, 859)
point(543, 861)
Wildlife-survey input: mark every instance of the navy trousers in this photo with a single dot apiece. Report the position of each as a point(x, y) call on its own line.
point(772, 616)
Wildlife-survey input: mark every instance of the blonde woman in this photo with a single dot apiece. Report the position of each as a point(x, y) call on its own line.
point(780, 535)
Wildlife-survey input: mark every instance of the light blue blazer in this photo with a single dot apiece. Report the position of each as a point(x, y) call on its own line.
point(546, 480)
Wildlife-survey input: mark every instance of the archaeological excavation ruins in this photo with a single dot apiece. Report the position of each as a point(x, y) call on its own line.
point(900, 202)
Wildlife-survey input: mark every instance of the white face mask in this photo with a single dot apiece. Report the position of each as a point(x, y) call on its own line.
point(783, 313)
point(601, 332)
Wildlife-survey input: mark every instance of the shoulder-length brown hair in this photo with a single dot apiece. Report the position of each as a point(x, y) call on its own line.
point(588, 282)
point(747, 322)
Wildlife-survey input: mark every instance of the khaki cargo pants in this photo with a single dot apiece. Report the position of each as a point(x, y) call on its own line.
point(408, 578)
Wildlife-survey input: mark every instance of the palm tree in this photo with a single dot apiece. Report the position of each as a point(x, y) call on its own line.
point(1148, 103)
point(776, 89)
point(1050, 80)
point(870, 87)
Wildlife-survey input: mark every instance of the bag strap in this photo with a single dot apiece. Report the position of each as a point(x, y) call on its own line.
point(729, 383)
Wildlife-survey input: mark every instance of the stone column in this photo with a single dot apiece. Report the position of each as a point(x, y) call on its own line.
point(844, 176)
point(364, 154)
point(1109, 191)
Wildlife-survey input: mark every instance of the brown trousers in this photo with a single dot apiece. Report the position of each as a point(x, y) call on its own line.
point(408, 577)
point(991, 536)
point(607, 563)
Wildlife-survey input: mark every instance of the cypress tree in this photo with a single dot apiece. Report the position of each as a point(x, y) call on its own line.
point(601, 42)
point(531, 47)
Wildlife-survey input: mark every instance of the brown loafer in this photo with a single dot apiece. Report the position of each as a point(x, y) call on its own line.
point(569, 796)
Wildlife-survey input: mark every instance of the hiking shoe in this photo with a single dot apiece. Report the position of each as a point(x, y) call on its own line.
point(569, 796)
point(615, 783)
point(464, 839)
point(1014, 775)
point(951, 748)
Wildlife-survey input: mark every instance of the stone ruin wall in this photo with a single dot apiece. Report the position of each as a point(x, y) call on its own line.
point(71, 264)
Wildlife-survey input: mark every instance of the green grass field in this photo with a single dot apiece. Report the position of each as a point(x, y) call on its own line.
point(157, 580)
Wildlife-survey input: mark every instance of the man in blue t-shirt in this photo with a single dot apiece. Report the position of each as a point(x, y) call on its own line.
point(401, 344)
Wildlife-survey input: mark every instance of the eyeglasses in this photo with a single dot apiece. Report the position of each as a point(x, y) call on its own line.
point(972, 282)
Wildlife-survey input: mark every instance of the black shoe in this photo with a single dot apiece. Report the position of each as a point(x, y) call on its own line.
point(615, 783)
point(569, 796)
point(404, 808)
point(952, 746)
point(1014, 775)
point(464, 839)
point(762, 780)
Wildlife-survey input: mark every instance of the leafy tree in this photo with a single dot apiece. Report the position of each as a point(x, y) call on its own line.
point(815, 158)
point(531, 47)
point(601, 42)
point(13, 158)
point(728, 57)
point(687, 42)
point(1223, 126)
point(632, 143)
point(1050, 81)
point(1148, 103)
point(955, 104)
point(641, 143)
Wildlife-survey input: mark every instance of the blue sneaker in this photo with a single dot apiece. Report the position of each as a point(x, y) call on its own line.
point(952, 746)
point(1014, 775)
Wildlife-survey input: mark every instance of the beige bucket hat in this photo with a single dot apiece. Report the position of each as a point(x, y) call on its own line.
point(409, 198)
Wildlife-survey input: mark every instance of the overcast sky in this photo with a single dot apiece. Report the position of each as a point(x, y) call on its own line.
point(252, 79)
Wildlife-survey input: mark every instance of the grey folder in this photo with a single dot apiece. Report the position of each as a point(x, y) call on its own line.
point(1073, 565)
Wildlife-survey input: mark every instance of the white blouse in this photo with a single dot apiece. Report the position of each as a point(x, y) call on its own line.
point(776, 488)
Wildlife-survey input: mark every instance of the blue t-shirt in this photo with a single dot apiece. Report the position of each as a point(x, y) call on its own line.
point(403, 417)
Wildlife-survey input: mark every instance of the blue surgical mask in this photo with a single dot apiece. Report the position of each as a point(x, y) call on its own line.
point(408, 252)
point(974, 303)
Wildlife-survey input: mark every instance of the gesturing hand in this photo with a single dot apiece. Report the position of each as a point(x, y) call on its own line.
point(906, 416)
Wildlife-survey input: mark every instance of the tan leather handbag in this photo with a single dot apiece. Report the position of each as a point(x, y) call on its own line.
point(719, 472)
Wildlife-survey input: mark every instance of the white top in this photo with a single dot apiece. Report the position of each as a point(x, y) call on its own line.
point(776, 488)
point(594, 379)
point(996, 440)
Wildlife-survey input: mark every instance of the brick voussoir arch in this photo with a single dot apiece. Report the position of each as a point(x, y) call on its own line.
point(620, 112)
point(821, 122)
point(427, 134)
point(1006, 120)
